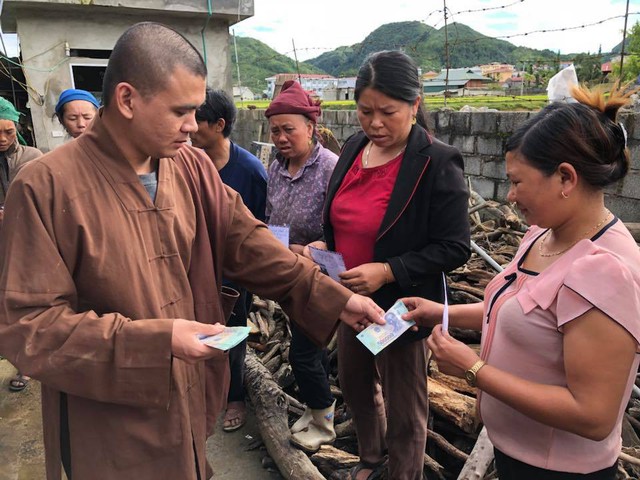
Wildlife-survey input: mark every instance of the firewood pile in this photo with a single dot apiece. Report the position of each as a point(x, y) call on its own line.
point(457, 446)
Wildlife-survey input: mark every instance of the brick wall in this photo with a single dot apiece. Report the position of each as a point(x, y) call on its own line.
point(480, 137)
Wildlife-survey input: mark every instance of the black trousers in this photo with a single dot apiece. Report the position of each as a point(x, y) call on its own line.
point(310, 365)
point(511, 469)
point(238, 353)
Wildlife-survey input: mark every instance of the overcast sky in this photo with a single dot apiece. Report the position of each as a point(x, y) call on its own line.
point(320, 26)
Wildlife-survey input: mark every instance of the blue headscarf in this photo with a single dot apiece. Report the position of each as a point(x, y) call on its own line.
point(8, 112)
point(74, 94)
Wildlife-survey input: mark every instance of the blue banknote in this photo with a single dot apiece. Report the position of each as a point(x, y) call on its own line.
point(377, 337)
point(228, 338)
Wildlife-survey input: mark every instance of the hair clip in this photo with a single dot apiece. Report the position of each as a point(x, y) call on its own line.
point(624, 133)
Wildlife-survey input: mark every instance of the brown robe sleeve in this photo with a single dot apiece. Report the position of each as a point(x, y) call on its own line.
point(45, 333)
point(246, 252)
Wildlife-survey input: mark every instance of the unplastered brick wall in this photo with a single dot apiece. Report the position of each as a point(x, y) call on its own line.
point(480, 137)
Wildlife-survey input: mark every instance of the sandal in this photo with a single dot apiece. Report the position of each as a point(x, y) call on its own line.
point(376, 471)
point(18, 383)
point(235, 416)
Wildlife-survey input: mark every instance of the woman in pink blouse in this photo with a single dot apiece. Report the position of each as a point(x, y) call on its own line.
point(560, 325)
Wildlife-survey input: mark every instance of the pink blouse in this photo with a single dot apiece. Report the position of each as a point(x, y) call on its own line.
point(523, 335)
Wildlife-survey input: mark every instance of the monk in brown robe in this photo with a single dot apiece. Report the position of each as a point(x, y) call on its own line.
point(100, 291)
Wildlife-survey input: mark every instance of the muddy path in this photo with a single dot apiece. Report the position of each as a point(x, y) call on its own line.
point(234, 456)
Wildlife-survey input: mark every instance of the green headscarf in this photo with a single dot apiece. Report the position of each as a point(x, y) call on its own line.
point(9, 112)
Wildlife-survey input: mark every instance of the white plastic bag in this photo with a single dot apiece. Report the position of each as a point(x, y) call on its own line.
point(559, 88)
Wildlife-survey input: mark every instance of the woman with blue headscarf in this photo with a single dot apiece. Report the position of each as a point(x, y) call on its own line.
point(75, 110)
point(13, 156)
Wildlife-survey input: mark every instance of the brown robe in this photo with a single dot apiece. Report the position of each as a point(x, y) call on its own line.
point(92, 275)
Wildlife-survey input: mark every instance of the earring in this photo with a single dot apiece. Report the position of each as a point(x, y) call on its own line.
point(564, 195)
point(414, 120)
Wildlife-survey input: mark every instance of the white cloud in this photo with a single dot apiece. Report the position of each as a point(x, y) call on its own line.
point(317, 27)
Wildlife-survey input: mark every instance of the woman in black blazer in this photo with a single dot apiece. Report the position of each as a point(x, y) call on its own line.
point(396, 209)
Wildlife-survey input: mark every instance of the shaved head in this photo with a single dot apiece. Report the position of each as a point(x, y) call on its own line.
point(146, 55)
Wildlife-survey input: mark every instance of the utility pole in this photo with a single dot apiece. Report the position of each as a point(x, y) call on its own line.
point(235, 47)
point(446, 54)
point(624, 39)
point(295, 55)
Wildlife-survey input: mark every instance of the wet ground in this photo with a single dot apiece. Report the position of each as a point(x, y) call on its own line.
point(234, 456)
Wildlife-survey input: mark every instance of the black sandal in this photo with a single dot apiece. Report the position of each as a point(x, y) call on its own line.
point(376, 474)
point(18, 383)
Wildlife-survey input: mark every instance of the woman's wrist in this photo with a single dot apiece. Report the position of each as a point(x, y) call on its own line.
point(388, 274)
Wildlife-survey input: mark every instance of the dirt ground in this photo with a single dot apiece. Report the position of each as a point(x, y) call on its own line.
point(233, 456)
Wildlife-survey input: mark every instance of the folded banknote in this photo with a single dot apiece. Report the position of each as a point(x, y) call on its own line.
point(377, 337)
point(228, 338)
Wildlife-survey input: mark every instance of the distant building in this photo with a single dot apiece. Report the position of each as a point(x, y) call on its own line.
point(344, 90)
point(498, 72)
point(313, 83)
point(242, 94)
point(458, 81)
point(429, 75)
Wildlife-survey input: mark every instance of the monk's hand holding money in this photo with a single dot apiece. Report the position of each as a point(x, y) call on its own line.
point(359, 312)
point(453, 356)
point(185, 343)
point(366, 278)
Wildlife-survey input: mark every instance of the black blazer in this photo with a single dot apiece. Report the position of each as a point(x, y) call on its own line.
point(425, 229)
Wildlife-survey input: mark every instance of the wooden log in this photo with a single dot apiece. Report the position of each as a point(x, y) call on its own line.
point(457, 408)
point(446, 447)
point(345, 429)
point(454, 383)
point(479, 460)
point(284, 376)
point(328, 459)
point(477, 292)
point(435, 467)
point(273, 350)
point(271, 414)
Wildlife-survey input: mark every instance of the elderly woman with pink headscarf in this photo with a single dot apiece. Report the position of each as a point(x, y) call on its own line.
point(297, 183)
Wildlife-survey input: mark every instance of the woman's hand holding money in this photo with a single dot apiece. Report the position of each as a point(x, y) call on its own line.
point(453, 356)
point(365, 279)
point(425, 313)
point(317, 244)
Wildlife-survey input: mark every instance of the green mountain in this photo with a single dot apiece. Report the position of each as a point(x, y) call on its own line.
point(426, 45)
point(259, 61)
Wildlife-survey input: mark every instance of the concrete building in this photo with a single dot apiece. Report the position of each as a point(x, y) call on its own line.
point(457, 81)
point(344, 90)
point(315, 84)
point(498, 72)
point(243, 94)
point(67, 43)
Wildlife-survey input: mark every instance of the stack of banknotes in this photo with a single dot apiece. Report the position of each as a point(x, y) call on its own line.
point(227, 339)
point(377, 337)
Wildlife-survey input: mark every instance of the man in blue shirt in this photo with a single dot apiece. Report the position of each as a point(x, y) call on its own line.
point(243, 172)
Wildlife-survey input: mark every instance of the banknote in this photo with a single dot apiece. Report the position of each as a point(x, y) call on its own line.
point(331, 263)
point(281, 232)
point(228, 338)
point(377, 337)
point(445, 311)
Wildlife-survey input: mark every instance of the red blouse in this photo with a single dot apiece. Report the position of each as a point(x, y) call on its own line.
point(358, 208)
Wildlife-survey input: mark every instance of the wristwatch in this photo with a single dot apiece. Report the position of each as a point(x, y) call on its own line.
point(471, 375)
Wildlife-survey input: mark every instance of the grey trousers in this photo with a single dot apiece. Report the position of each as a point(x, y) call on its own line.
point(396, 379)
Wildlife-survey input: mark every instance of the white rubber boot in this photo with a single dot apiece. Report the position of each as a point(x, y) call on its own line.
point(319, 432)
point(303, 422)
